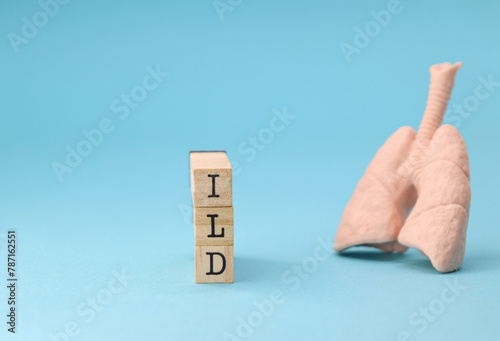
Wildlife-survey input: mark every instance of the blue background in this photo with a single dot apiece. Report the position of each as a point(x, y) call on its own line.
point(126, 206)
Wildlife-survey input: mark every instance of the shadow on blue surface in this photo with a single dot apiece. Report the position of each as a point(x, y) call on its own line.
point(257, 270)
point(372, 255)
point(412, 259)
point(424, 265)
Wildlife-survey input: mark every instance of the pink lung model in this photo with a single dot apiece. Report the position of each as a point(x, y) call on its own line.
point(416, 190)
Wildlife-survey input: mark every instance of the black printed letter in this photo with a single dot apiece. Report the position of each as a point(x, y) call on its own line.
point(213, 216)
point(213, 176)
point(211, 254)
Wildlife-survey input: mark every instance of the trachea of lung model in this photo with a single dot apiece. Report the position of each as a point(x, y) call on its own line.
point(211, 187)
point(426, 173)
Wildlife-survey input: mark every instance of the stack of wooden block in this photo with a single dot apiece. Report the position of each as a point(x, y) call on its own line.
point(211, 187)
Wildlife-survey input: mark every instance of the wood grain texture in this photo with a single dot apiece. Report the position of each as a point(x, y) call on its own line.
point(211, 179)
point(214, 264)
point(213, 225)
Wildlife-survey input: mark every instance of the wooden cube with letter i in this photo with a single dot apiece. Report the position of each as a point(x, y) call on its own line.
point(211, 187)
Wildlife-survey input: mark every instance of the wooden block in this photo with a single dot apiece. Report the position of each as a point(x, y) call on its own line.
point(213, 225)
point(211, 179)
point(213, 264)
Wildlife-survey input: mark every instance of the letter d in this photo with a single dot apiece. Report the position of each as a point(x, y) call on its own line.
point(212, 254)
point(28, 30)
point(72, 158)
point(361, 40)
point(244, 330)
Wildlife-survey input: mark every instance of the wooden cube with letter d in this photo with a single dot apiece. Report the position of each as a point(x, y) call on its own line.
point(214, 264)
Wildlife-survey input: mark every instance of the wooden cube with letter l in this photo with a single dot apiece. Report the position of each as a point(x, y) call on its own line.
point(211, 188)
point(213, 225)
